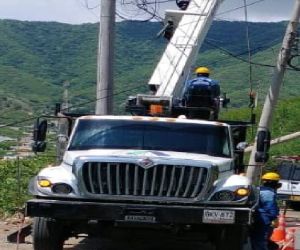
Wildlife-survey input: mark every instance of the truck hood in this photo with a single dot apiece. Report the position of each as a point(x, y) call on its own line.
point(159, 156)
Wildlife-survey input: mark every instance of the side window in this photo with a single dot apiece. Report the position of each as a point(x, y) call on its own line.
point(226, 150)
point(296, 174)
point(285, 170)
point(226, 145)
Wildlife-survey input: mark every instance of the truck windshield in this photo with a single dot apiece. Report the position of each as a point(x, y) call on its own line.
point(146, 135)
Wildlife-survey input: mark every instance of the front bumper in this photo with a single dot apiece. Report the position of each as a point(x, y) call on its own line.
point(164, 214)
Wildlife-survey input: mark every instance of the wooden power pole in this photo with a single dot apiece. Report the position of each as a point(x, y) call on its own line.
point(253, 170)
point(104, 103)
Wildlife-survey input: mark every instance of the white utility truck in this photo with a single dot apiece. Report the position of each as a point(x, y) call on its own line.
point(176, 175)
point(146, 172)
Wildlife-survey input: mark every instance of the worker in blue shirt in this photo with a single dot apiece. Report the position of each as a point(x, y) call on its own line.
point(202, 78)
point(266, 212)
point(202, 92)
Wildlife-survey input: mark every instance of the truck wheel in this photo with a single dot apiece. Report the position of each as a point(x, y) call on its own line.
point(47, 234)
point(230, 238)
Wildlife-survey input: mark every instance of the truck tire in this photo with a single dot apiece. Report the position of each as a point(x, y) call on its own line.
point(231, 238)
point(47, 234)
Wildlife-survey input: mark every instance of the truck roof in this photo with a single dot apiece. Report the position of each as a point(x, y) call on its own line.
point(150, 118)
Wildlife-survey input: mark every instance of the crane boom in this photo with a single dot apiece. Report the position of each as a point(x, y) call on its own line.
point(169, 77)
point(174, 66)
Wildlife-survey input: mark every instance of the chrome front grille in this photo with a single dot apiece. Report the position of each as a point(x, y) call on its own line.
point(133, 180)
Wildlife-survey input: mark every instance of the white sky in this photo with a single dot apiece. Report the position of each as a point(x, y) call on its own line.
point(76, 12)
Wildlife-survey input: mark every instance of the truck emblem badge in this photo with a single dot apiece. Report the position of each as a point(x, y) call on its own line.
point(146, 163)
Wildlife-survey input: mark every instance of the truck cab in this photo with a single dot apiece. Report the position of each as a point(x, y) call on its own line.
point(289, 170)
point(140, 172)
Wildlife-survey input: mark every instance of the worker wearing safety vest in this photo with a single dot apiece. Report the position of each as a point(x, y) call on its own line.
point(266, 212)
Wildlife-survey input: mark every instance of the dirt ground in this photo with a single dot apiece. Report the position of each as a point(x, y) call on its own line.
point(10, 225)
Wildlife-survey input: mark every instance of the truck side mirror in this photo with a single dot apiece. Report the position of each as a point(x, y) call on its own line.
point(39, 136)
point(262, 146)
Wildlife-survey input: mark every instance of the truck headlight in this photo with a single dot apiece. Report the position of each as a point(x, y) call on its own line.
point(230, 195)
point(224, 195)
point(61, 188)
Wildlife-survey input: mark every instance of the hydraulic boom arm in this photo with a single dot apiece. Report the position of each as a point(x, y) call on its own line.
point(174, 66)
point(168, 79)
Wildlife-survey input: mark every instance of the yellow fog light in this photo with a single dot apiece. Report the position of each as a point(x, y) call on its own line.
point(242, 191)
point(44, 183)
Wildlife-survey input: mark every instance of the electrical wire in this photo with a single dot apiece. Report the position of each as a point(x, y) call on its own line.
point(86, 6)
point(76, 105)
point(242, 59)
point(252, 95)
point(238, 8)
point(86, 2)
point(147, 7)
point(248, 45)
point(290, 62)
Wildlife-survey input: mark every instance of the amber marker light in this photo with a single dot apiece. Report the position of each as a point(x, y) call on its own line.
point(156, 109)
point(44, 183)
point(242, 191)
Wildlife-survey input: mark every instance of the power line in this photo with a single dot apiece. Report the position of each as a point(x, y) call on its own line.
point(79, 104)
point(248, 44)
point(242, 59)
point(150, 8)
point(86, 6)
point(86, 2)
point(238, 8)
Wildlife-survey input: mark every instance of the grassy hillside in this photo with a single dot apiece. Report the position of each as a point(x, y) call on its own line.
point(37, 57)
point(285, 121)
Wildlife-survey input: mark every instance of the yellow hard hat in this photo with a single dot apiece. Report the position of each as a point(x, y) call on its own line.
point(202, 70)
point(271, 176)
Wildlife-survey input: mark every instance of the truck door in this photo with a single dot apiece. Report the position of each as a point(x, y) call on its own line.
point(238, 135)
point(295, 181)
point(285, 170)
point(290, 179)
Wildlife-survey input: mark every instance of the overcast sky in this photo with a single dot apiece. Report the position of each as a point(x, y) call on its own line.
point(76, 11)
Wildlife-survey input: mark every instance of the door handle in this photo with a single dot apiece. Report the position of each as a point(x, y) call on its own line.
point(295, 182)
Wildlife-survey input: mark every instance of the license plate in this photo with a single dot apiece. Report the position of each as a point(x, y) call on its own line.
point(295, 197)
point(140, 218)
point(218, 216)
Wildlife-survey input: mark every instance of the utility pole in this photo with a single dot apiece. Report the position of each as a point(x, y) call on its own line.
point(104, 103)
point(65, 104)
point(254, 170)
point(63, 126)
